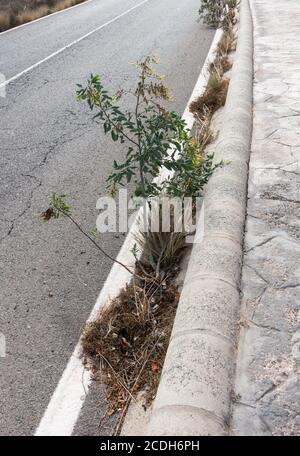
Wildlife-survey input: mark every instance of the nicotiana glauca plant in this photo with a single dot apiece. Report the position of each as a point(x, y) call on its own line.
point(215, 13)
point(148, 131)
point(211, 12)
point(192, 172)
point(154, 137)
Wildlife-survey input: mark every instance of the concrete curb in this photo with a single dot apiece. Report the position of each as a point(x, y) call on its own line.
point(194, 395)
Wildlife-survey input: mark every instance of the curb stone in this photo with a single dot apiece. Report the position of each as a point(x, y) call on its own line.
point(194, 394)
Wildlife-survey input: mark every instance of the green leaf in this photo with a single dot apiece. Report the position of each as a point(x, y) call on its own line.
point(114, 135)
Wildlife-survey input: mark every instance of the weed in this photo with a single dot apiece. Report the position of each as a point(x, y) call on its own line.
point(227, 43)
point(166, 247)
point(147, 131)
point(127, 343)
point(211, 12)
point(213, 98)
point(216, 13)
point(225, 64)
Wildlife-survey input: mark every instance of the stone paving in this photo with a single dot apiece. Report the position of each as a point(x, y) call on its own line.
point(267, 390)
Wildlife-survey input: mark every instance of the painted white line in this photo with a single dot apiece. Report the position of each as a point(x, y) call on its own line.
point(45, 17)
point(64, 407)
point(13, 78)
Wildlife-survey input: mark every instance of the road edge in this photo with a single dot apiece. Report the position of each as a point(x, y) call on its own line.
point(63, 409)
point(197, 379)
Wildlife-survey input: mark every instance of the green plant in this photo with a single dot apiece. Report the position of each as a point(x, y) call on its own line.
point(166, 246)
point(211, 12)
point(190, 179)
point(148, 130)
point(216, 13)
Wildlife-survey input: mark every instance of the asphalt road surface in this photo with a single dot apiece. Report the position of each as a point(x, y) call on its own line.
point(50, 277)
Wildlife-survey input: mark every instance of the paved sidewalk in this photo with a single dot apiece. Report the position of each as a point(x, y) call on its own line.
point(267, 393)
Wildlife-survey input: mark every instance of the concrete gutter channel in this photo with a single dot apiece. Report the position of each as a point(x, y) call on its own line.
point(195, 392)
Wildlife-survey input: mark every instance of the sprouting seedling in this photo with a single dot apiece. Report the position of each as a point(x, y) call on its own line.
point(134, 251)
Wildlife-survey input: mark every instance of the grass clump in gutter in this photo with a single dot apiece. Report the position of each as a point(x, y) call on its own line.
point(227, 43)
point(214, 97)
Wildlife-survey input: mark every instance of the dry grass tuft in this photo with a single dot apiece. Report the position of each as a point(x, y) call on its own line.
point(225, 64)
point(203, 133)
point(227, 43)
point(4, 20)
point(215, 94)
point(18, 12)
point(126, 345)
point(213, 98)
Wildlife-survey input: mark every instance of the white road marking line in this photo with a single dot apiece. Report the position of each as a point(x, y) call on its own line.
point(13, 78)
point(45, 17)
point(68, 398)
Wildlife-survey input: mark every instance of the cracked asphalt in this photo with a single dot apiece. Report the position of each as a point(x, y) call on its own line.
point(50, 277)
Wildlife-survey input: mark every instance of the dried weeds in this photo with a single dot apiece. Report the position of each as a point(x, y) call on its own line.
point(18, 12)
point(213, 99)
point(126, 346)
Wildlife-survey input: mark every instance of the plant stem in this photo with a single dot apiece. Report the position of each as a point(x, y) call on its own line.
point(95, 243)
point(120, 130)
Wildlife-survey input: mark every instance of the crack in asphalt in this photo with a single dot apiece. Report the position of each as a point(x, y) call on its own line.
point(28, 206)
point(59, 142)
